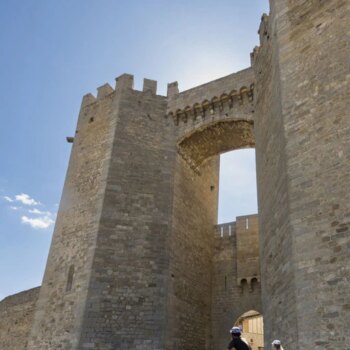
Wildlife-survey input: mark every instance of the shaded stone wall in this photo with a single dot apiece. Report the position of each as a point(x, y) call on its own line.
point(314, 50)
point(230, 297)
point(248, 262)
point(304, 136)
point(16, 316)
point(209, 119)
point(191, 252)
point(276, 246)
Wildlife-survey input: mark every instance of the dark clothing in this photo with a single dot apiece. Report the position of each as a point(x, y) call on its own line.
point(238, 344)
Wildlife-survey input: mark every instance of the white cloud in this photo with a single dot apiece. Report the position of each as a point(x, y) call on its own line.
point(25, 199)
point(42, 219)
point(39, 223)
point(15, 208)
point(39, 212)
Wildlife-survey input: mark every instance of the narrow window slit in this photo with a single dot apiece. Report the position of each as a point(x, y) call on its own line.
point(70, 278)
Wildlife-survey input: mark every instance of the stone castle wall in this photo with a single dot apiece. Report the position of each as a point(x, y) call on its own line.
point(16, 317)
point(213, 118)
point(232, 296)
point(191, 252)
point(212, 289)
point(248, 261)
point(209, 119)
point(303, 146)
point(134, 262)
point(128, 286)
point(64, 290)
point(276, 248)
point(227, 97)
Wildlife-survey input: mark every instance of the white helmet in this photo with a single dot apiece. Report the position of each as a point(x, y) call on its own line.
point(235, 330)
point(276, 342)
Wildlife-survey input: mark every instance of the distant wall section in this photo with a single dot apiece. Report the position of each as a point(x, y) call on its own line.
point(233, 296)
point(16, 316)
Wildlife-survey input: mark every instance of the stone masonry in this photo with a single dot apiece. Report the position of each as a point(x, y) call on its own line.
point(17, 312)
point(235, 286)
point(302, 130)
point(137, 259)
point(232, 293)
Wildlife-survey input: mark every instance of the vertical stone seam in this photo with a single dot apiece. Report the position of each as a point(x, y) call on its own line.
point(169, 241)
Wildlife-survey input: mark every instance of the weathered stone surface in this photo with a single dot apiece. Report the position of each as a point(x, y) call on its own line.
point(215, 138)
point(232, 296)
point(303, 144)
point(191, 253)
point(60, 308)
point(16, 316)
point(126, 300)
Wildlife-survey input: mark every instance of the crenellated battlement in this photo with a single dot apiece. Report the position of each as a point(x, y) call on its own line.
point(264, 29)
point(225, 230)
point(225, 98)
point(104, 90)
point(123, 82)
point(236, 280)
point(264, 36)
point(242, 236)
point(88, 99)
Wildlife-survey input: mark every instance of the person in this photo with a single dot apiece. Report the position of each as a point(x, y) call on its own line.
point(277, 345)
point(237, 342)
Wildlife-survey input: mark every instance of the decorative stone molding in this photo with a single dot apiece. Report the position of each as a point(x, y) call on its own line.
point(209, 107)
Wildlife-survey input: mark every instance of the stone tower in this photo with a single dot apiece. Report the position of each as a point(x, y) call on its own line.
point(132, 262)
point(106, 278)
point(302, 130)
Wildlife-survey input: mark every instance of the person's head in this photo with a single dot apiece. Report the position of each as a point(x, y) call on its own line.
point(276, 344)
point(235, 332)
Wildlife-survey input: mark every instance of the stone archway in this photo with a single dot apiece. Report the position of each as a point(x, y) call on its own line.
point(252, 326)
point(215, 138)
point(211, 270)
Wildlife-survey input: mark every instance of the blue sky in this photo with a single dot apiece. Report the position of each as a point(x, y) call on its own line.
point(53, 52)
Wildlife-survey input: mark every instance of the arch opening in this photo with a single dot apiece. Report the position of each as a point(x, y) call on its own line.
point(230, 250)
point(237, 185)
point(252, 326)
point(215, 138)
